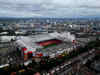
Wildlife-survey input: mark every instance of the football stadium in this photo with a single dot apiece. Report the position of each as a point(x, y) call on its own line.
point(51, 44)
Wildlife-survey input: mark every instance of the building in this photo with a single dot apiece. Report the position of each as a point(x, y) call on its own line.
point(49, 44)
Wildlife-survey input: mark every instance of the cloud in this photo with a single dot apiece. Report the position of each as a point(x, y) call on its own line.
point(49, 8)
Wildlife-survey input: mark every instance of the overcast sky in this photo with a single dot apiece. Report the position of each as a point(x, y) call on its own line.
point(49, 8)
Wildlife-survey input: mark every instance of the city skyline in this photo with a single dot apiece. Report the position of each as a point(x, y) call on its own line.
point(52, 8)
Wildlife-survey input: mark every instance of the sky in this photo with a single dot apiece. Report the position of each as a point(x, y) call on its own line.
point(49, 8)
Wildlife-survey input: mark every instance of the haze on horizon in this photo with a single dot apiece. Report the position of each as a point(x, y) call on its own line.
point(49, 8)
